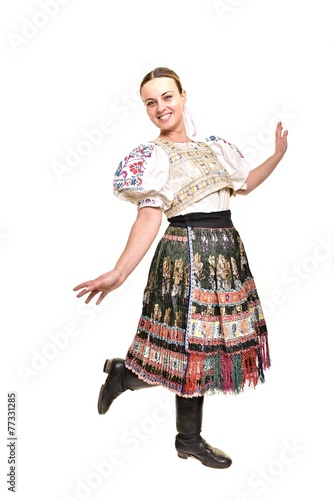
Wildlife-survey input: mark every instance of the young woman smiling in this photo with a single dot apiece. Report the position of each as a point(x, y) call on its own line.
point(202, 328)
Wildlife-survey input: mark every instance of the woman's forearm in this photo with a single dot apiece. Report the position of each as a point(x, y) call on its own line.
point(261, 173)
point(142, 235)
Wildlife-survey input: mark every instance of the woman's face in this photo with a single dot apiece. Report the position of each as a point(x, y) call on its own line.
point(164, 103)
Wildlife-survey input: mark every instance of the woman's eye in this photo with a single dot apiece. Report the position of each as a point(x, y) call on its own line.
point(150, 103)
point(168, 97)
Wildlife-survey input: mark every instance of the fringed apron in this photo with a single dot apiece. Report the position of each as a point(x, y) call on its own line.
point(202, 328)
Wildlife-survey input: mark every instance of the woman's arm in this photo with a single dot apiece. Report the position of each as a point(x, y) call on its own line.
point(142, 235)
point(260, 173)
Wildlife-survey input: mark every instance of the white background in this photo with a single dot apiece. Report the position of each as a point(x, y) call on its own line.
point(68, 66)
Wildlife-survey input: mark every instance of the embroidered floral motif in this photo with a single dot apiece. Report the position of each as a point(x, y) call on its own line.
point(215, 138)
point(149, 202)
point(136, 168)
point(131, 170)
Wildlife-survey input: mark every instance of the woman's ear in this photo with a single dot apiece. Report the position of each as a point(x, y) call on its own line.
point(184, 97)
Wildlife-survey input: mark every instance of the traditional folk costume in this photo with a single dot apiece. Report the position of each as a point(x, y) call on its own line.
point(202, 328)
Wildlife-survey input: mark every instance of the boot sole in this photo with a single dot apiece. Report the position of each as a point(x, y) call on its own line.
point(183, 455)
point(99, 403)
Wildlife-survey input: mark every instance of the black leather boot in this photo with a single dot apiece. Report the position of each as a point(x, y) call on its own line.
point(188, 442)
point(119, 379)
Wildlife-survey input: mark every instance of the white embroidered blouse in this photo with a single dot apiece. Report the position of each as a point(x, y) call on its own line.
point(181, 178)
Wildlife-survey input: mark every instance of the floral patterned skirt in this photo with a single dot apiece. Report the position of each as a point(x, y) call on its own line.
point(202, 328)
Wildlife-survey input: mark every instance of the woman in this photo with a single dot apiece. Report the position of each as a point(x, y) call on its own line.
point(202, 328)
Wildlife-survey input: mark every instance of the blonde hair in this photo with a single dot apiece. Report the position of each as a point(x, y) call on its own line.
point(162, 73)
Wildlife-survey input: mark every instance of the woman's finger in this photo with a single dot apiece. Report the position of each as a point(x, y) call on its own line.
point(99, 300)
point(82, 285)
point(83, 292)
point(91, 296)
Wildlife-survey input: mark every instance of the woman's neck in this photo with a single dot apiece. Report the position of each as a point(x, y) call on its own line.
point(174, 137)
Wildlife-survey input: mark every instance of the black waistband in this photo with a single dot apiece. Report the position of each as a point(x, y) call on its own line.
point(202, 219)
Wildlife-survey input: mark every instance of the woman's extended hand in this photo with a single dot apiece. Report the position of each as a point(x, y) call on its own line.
point(104, 284)
point(259, 174)
point(281, 142)
point(141, 236)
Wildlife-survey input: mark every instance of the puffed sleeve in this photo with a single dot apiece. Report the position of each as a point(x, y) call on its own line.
point(232, 159)
point(142, 177)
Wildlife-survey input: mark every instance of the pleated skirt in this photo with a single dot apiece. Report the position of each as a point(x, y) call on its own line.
point(202, 328)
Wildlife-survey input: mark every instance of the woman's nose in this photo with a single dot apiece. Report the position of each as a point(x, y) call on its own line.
point(161, 106)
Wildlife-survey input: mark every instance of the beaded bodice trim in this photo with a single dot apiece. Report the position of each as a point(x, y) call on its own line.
point(194, 173)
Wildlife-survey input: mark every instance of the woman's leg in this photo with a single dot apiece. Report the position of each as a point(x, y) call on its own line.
point(119, 380)
point(188, 442)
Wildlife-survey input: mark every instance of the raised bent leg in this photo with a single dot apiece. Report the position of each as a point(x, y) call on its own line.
point(119, 380)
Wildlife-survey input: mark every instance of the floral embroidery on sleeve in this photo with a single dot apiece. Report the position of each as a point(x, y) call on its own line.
point(215, 138)
point(131, 170)
point(149, 202)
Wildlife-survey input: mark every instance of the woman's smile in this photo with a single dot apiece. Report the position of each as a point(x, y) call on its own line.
point(164, 117)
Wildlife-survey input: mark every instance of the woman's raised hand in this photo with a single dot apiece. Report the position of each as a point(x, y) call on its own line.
point(281, 142)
